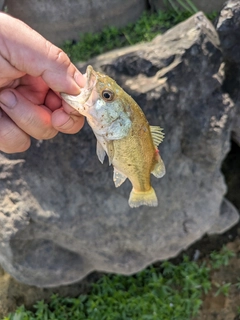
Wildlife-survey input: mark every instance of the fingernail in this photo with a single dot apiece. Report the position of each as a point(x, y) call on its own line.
point(8, 98)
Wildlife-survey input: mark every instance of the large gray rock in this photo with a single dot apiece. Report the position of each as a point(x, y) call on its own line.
point(61, 216)
point(63, 20)
point(228, 27)
point(203, 5)
point(2, 3)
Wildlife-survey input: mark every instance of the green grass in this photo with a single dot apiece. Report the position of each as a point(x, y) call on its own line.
point(145, 29)
point(221, 258)
point(165, 292)
point(187, 5)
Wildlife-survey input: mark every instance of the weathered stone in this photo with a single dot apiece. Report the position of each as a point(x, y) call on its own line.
point(227, 212)
point(63, 20)
point(2, 3)
point(203, 5)
point(61, 216)
point(228, 27)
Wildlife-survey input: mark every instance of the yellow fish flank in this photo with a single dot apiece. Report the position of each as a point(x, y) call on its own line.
point(123, 133)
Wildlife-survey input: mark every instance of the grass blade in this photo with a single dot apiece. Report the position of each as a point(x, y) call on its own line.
point(192, 5)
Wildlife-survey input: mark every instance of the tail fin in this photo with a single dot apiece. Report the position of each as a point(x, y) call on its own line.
point(147, 198)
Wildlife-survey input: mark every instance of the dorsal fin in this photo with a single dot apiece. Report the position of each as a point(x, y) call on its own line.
point(157, 135)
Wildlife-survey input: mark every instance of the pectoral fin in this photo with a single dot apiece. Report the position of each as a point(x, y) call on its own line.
point(118, 177)
point(100, 152)
point(103, 147)
point(159, 168)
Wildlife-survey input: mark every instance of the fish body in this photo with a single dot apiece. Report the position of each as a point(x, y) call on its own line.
point(123, 133)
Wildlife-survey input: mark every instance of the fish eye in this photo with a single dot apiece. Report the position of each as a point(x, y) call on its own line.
point(107, 95)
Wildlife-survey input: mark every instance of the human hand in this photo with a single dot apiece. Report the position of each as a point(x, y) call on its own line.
point(32, 72)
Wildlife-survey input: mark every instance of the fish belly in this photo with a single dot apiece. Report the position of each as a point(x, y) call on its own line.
point(135, 160)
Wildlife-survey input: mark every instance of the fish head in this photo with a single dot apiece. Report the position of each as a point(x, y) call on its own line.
point(101, 100)
point(105, 92)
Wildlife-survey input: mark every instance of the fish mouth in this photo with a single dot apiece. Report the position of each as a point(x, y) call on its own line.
point(91, 77)
point(79, 102)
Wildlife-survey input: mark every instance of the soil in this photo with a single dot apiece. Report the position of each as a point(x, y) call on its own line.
point(223, 307)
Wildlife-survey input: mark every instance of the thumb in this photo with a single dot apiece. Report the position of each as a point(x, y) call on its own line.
point(32, 54)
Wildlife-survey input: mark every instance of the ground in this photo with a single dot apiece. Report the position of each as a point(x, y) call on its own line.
point(224, 307)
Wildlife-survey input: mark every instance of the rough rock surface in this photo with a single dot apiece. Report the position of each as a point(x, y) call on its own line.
point(2, 2)
point(203, 5)
point(228, 27)
point(63, 20)
point(61, 216)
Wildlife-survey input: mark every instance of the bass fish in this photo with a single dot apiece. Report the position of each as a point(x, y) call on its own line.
point(123, 133)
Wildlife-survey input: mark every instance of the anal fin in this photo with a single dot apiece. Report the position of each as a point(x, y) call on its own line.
point(159, 168)
point(118, 177)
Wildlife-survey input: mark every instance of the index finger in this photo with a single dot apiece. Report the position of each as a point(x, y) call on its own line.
point(31, 53)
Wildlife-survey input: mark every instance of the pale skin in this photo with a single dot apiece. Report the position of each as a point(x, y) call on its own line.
point(32, 73)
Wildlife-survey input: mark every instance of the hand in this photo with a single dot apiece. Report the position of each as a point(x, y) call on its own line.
point(32, 72)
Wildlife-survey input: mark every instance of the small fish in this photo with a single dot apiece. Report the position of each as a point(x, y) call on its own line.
point(123, 133)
